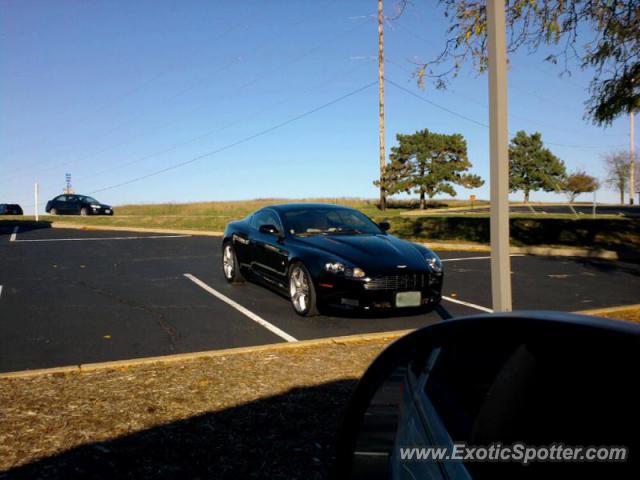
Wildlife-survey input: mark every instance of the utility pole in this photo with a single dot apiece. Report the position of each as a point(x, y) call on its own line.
point(67, 180)
point(499, 151)
point(632, 160)
point(383, 199)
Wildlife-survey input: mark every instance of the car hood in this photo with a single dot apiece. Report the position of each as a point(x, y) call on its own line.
point(373, 253)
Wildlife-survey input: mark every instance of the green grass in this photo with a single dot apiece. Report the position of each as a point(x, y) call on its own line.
point(434, 224)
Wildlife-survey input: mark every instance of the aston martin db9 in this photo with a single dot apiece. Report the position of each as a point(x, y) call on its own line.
point(331, 256)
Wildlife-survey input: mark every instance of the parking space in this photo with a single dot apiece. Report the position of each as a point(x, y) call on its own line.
point(74, 296)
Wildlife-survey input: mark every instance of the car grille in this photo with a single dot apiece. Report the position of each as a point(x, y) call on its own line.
point(407, 281)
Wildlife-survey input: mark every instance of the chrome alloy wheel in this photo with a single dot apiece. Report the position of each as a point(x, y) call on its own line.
point(299, 290)
point(228, 262)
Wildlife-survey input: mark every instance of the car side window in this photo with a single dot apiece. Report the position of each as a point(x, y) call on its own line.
point(61, 198)
point(265, 217)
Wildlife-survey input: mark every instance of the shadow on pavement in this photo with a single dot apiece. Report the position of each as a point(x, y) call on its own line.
point(7, 226)
point(607, 266)
point(291, 435)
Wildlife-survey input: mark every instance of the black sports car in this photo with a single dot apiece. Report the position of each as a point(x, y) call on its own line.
point(331, 256)
point(69, 204)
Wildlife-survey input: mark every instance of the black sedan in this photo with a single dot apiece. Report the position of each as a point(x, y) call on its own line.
point(331, 256)
point(77, 205)
point(10, 209)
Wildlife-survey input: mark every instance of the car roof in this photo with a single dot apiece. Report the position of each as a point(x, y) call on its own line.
point(288, 207)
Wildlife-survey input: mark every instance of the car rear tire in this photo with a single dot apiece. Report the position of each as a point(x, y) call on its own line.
point(230, 265)
point(53, 211)
point(302, 291)
point(84, 212)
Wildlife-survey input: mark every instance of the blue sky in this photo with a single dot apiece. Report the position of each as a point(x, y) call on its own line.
point(114, 91)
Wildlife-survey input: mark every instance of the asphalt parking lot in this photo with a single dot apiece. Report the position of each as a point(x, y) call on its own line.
point(77, 296)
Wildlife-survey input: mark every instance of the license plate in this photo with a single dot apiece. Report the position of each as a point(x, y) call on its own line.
point(408, 299)
point(107, 211)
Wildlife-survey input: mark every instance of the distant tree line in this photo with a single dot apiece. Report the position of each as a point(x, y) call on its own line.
point(428, 163)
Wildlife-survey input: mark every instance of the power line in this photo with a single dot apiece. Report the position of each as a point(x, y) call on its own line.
point(476, 122)
point(128, 93)
point(511, 86)
point(433, 104)
point(228, 65)
point(239, 142)
point(216, 129)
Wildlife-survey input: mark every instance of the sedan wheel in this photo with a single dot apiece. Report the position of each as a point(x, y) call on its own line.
point(53, 211)
point(230, 267)
point(301, 291)
point(84, 212)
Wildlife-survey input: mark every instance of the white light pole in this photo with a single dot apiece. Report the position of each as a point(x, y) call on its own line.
point(36, 194)
point(499, 150)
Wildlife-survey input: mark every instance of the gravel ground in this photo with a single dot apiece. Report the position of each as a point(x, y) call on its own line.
point(267, 414)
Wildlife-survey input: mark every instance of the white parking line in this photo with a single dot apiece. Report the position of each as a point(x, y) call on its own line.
point(0, 290)
point(467, 304)
point(272, 328)
point(14, 233)
point(476, 258)
point(96, 238)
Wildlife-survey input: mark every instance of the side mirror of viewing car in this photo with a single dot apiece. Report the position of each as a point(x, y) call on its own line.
point(510, 386)
point(384, 226)
point(271, 229)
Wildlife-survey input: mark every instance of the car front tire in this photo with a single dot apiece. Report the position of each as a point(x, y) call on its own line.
point(302, 291)
point(84, 212)
point(230, 265)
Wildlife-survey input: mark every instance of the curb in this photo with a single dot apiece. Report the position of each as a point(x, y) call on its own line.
point(540, 251)
point(603, 311)
point(567, 252)
point(442, 246)
point(78, 226)
point(92, 367)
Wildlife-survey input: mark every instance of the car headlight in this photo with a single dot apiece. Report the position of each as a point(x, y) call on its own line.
point(337, 267)
point(434, 264)
point(356, 272)
point(95, 206)
point(334, 267)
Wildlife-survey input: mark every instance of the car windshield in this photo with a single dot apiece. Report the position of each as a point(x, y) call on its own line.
point(89, 199)
point(328, 221)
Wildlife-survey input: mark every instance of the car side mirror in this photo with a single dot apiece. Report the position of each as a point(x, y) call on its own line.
point(496, 381)
point(270, 229)
point(384, 226)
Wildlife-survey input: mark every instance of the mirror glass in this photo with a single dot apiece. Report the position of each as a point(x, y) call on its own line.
point(268, 229)
point(496, 392)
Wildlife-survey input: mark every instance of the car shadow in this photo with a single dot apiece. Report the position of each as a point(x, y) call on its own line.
point(391, 313)
point(291, 435)
point(608, 266)
point(7, 226)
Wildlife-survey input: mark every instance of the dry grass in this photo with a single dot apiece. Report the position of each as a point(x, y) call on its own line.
point(263, 414)
point(629, 315)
